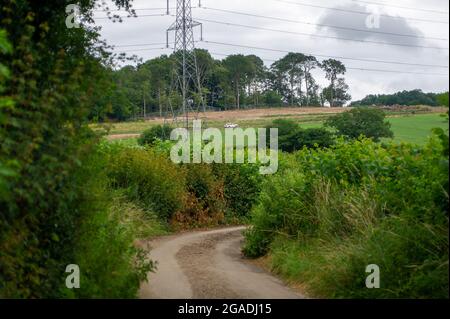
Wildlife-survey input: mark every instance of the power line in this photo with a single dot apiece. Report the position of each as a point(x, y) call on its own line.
point(297, 33)
point(397, 72)
point(147, 49)
point(359, 69)
point(322, 25)
point(349, 68)
point(138, 45)
point(285, 51)
point(321, 36)
point(384, 4)
point(138, 9)
point(128, 17)
point(330, 56)
point(361, 12)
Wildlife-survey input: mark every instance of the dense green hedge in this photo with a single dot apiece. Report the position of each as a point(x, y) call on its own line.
point(152, 135)
point(330, 213)
point(149, 178)
point(292, 137)
point(189, 194)
point(53, 210)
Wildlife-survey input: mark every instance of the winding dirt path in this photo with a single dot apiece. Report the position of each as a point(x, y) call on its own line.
point(209, 265)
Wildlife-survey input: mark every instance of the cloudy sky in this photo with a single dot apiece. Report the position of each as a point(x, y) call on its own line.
point(411, 33)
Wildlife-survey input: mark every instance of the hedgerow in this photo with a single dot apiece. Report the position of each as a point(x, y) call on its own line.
point(330, 213)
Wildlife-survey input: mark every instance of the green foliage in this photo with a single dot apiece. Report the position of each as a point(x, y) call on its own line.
point(336, 93)
point(152, 135)
point(110, 264)
point(442, 99)
point(242, 184)
point(7, 169)
point(150, 179)
point(293, 138)
point(361, 121)
point(238, 67)
point(285, 126)
point(188, 195)
point(272, 98)
point(315, 138)
point(277, 203)
point(332, 212)
point(290, 72)
point(233, 82)
point(409, 98)
point(205, 203)
point(47, 189)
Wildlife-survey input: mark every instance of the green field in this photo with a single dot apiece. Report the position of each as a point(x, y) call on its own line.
point(407, 128)
point(417, 128)
point(410, 128)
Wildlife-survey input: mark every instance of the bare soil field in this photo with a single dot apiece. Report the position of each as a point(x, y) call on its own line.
point(251, 117)
point(294, 112)
point(114, 137)
point(255, 114)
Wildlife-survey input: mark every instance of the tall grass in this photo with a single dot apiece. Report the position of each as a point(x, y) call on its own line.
point(185, 195)
point(331, 213)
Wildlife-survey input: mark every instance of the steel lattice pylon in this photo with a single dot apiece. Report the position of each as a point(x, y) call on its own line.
point(186, 80)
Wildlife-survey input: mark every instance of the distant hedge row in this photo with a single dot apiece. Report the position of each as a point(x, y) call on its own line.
point(409, 98)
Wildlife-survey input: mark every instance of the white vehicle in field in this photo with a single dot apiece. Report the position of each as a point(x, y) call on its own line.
point(231, 125)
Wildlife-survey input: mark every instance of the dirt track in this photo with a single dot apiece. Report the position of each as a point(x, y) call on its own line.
point(114, 137)
point(209, 265)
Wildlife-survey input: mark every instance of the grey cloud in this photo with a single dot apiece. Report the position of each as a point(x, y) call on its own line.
point(387, 26)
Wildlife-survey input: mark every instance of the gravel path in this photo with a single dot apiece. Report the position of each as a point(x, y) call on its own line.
point(209, 265)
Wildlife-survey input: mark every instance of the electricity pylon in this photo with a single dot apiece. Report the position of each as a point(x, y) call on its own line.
point(186, 78)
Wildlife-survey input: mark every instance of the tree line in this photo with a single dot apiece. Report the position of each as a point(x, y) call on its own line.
point(409, 98)
point(236, 82)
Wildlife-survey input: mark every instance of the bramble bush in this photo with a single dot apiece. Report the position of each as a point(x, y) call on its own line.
point(205, 203)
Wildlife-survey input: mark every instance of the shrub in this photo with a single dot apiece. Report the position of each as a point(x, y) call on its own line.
point(313, 138)
point(188, 195)
point(48, 188)
point(242, 184)
point(293, 138)
point(285, 127)
point(368, 122)
point(442, 99)
point(338, 210)
point(149, 178)
point(278, 200)
point(159, 132)
point(111, 265)
point(205, 203)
